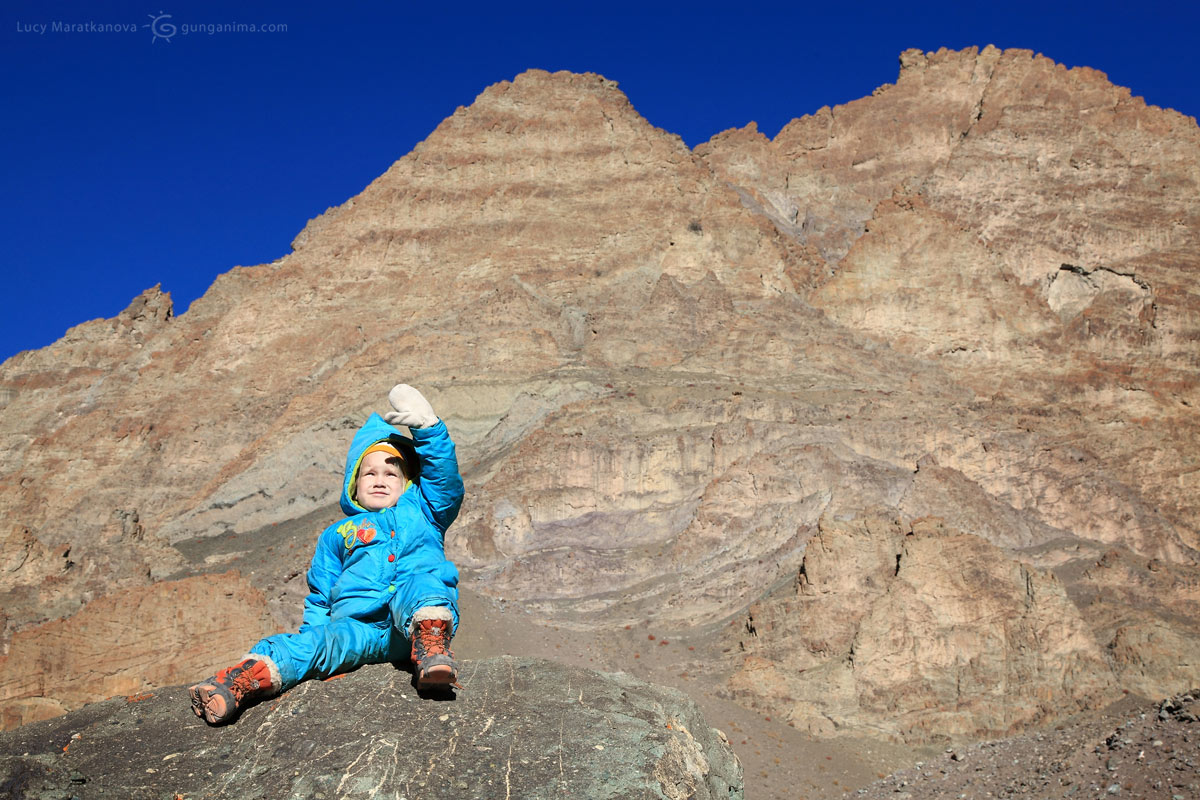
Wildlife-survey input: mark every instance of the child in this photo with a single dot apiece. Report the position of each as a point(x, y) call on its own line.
point(380, 585)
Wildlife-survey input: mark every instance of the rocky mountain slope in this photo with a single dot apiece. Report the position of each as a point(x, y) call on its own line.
point(906, 394)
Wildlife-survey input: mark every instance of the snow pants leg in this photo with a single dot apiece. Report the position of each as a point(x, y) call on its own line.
point(424, 590)
point(323, 650)
point(345, 643)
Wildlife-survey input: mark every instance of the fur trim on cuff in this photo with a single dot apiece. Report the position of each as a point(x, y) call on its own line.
point(276, 678)
point(430, 612)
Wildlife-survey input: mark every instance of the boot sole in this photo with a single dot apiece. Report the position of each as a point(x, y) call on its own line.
point(441, 676)
point(208, 704)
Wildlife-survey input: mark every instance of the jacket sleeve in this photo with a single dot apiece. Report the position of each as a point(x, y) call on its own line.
point(440, 484)
point(323, 573)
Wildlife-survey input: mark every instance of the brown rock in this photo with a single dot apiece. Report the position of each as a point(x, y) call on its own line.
point(924, 635)
point(128, 642)
point(969, 295)
point(993, 212)
point(25, 561)
point(1152, 657)
point(1146, 612)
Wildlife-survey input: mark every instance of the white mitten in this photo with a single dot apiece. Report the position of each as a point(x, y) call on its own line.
point(412, 409)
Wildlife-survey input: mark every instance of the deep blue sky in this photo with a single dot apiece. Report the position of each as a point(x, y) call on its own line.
point(131, 161)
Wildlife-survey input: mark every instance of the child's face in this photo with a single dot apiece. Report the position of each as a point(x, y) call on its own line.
point(379, 481)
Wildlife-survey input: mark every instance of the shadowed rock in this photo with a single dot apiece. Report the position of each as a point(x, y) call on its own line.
point(520, 728)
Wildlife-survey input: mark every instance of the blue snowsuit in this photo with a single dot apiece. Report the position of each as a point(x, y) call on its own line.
point(374, 569)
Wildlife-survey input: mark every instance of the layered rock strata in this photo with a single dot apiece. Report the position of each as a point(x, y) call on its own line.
point(969, 296)
point(921, 634)
point(129, 642)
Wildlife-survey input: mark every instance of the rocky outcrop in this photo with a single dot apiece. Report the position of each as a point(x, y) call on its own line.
point(519, 728)
point(128, 642)
point(31, 580)
point(1146, 613)
point(995, 213)
point(969, 296)
point(921, 634)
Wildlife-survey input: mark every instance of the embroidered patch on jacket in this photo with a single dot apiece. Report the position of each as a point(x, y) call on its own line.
point(352, 534)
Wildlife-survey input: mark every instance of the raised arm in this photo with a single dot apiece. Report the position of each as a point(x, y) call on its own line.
point(440, 484)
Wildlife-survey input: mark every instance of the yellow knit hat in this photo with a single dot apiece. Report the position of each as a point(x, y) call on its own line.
point(382, 447)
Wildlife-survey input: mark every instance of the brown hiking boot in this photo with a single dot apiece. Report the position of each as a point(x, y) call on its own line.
point(431, 657)
point(221, 697)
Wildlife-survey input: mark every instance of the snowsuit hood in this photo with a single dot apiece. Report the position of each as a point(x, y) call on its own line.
point(375, 429)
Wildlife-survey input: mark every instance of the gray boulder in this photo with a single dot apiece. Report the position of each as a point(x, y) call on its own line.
point(520, 728)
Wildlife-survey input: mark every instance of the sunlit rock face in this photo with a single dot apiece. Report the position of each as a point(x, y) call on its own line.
point(969, 297)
